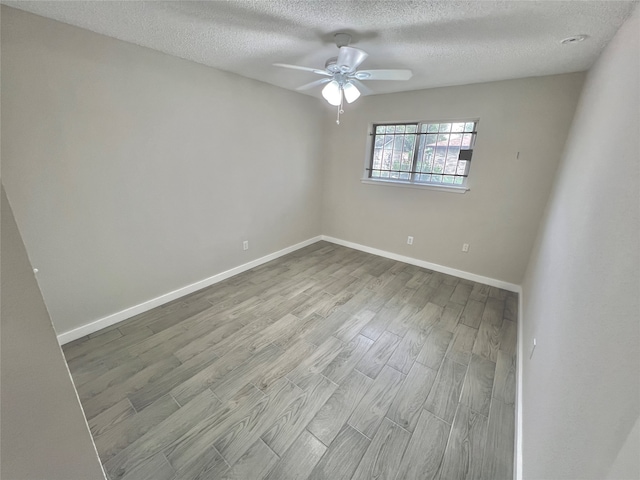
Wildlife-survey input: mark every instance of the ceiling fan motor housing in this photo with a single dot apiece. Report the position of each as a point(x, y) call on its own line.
point(332, 65)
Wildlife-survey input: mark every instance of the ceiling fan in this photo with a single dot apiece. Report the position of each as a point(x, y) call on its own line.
point(342, 77)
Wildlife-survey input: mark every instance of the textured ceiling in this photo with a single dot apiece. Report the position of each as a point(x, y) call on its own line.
point(443, 42)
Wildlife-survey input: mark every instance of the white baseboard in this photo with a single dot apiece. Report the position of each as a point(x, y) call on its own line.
point(96, 325)
point(512, 287)
point(104, 322)
point(520, 359)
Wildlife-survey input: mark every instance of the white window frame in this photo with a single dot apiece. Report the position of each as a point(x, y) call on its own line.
point(412, 183)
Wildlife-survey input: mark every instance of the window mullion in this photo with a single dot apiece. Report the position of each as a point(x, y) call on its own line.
point(373, 151)
point(416, 148)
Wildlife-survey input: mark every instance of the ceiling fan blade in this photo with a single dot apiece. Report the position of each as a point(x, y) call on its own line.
point(350, 58)
point(304, 69)
point(361, 86)
point(322, 81)
point(383, 74)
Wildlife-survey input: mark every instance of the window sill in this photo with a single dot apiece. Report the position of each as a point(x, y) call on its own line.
point(395, 183)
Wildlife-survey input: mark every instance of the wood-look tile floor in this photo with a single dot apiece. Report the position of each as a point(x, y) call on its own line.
point(327, 363)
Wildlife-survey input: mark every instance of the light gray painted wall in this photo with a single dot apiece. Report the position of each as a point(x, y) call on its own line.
point(133, 173)
point(626, 465)
point(498, 217)
point(39, 439)
point(581, 390)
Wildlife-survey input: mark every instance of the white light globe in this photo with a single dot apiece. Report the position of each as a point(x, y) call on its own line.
point(332, 93)
point(351, 93)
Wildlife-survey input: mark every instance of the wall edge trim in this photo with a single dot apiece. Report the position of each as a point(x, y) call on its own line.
point(104, 322)
point(519, 366)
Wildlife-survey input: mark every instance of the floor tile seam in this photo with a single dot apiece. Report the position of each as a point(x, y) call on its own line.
point(356, 429)
point(438, 417)
point(168, 462)
point(394, 368)
point(386, 415)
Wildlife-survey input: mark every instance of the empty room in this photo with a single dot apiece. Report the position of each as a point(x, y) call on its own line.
point(341, 240)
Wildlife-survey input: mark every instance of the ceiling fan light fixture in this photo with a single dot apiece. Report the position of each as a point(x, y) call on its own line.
point(342, 79)
point(351, 92)
point(332, 93)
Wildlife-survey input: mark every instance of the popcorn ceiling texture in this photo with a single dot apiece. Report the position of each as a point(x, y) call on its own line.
point(444, 43)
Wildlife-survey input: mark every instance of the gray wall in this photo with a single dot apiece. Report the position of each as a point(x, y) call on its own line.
point(581, 390)
point(133, 173)
point(39, 439)
point(498, 217)
point(627, 464)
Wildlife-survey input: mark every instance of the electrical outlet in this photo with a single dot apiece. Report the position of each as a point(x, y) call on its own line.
point(409, 240)
point(465, 247)
point(245, 245)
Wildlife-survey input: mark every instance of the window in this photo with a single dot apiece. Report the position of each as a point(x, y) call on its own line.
point(429, 153)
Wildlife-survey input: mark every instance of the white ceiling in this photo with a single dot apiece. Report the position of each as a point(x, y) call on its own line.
point(443, 42)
